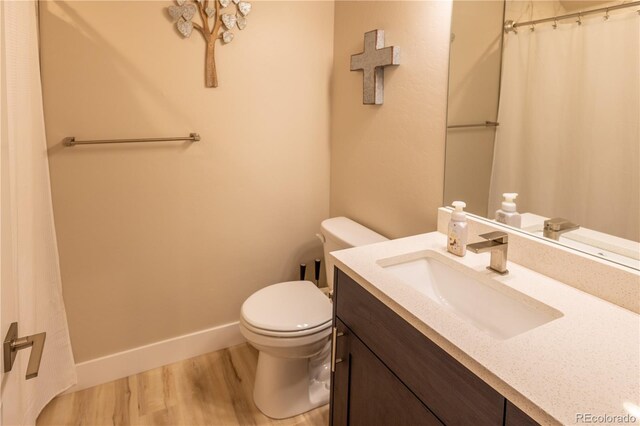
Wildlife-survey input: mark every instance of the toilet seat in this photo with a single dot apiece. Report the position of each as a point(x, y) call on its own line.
point(287, 334)
point(288, 310)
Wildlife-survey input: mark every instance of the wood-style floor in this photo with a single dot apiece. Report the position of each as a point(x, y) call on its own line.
point(212, 389)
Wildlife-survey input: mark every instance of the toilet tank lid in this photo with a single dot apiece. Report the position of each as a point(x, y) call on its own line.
point(350, 233)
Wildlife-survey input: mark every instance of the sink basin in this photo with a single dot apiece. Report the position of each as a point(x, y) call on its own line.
point(475, 297)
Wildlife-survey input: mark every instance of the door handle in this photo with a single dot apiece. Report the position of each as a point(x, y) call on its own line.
point(12, 344)
point(334, 342)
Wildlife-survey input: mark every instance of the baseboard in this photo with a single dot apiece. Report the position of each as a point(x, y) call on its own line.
point(136, 360)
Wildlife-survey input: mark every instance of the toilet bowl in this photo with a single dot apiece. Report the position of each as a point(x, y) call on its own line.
point(289, 324)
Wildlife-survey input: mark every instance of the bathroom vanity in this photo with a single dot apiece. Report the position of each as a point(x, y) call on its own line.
point(387, 372)
point(417, 344)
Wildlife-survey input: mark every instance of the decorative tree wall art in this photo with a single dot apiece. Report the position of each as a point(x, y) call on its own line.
point(217, 19)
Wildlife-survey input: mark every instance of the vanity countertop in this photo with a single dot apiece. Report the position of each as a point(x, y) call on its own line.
point(587, 361)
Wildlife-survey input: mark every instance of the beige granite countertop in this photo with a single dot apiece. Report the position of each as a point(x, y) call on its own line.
point(587, 361)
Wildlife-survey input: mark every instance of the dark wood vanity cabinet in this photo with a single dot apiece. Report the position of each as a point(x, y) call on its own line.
point(370, 381)
point(513, 416)
point(388, 373)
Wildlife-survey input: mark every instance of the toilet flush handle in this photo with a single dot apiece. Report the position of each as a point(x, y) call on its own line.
point(321, 238)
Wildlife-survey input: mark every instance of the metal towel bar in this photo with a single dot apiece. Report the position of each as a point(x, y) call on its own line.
point(464, 126)
point(71, 140)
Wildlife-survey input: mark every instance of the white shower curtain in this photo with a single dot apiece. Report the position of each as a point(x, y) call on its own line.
point(31, 285)
point(569, 135)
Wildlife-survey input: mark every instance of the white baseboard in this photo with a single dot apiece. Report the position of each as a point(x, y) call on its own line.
point(136, 360)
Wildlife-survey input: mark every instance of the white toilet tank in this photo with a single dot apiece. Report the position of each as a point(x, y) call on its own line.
point(340, 233)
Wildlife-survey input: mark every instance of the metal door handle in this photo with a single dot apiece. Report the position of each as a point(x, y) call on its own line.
point(334, 338)
point(12, 344)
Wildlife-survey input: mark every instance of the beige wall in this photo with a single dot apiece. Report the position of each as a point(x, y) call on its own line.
point(526, 10)
point(160, 240)
point(474, 87)
point(387, 161)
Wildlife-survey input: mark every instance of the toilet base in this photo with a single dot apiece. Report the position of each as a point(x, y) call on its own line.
point(286, 387)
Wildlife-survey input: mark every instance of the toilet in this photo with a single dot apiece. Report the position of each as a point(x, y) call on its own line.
point(289, 323)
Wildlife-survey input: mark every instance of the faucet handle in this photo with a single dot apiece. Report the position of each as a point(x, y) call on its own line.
point(497, 236)
point(558, 224)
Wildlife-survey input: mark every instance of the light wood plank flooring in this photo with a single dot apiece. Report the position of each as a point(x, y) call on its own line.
point(212, 389)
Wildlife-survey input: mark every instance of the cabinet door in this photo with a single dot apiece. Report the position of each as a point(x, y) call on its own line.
point(367, 393)
point(452, 392)
point(516, 417)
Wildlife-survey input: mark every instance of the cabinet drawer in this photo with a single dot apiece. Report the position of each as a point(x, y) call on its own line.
point(454, 394)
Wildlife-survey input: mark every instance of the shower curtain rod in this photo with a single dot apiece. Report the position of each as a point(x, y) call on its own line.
point(511, 26)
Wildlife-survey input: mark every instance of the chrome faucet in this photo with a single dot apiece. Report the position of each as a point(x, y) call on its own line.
point(557, 226)
point(497, 243)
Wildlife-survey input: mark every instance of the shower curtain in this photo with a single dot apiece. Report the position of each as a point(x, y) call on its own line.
point(569, 135)
point(31, 284)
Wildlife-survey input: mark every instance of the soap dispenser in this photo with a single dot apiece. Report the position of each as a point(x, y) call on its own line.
point(457, 235)
point(508, 214)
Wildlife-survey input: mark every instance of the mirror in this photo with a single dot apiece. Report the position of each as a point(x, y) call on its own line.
point(548, 107)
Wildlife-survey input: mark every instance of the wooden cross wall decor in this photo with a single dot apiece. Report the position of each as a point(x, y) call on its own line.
point(372, 62)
